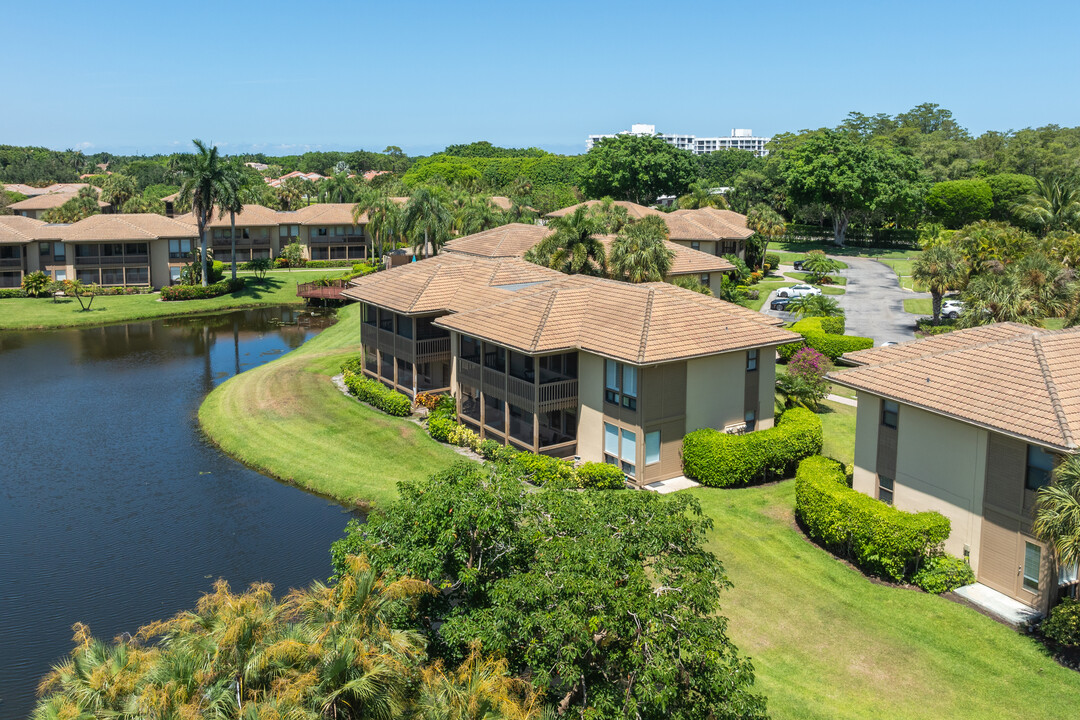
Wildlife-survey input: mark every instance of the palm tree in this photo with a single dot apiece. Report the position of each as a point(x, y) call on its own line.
point(425, 216)
point(940, 269)
point(1057, 513)
point(999, 297)
point(767, 224)
point(1054, 205)
point(573, 248)
point(117, 189)
point(612, 218)
point(815, 306)
point(339, 188)
point(475, 214)
point(819, 265)
point(203, 177)
point(699, 196)
point(1053, 285)
point(479, 688)
point(640, 252)
point(232, 202)
point(290, 193)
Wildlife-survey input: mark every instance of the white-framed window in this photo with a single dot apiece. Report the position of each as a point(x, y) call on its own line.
point(1032, 562)
point(620, 448)
point(59, 251)
point(61, 275)
point(174, 274)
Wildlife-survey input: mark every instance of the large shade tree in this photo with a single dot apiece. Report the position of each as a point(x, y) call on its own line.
point(636, 168)
point(204, 176)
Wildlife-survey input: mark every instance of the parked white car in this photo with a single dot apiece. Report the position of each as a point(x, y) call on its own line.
point(798, 291)
point(952, 309)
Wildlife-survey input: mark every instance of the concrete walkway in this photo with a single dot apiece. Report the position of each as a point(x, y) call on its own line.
point(673, 485)
point(997, 604)
point(842, 400)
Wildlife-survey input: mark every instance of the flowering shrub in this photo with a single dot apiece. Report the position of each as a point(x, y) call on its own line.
point(427, 400)
point(198, 292)
point(804, 383)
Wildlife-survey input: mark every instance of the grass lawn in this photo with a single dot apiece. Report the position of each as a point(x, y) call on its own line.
point(902, 268)
point(826, 642)
point(838, 429)
point(43, 313)
point(804, 277)
point(787, 258)
point(799, 249)
point(919, 306)
point(287, 419)
point(764, 288)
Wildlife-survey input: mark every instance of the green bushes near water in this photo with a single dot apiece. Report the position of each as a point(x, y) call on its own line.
point(826, 335)
point(198, 292)
point(719, 459)
point(877, 537)
point(374, 393)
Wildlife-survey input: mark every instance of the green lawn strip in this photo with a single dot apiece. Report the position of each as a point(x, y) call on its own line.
point(764, 288)
point(919, 306)
point(838, 431)
point(788, 258)
point(832, 290)
point(826, 642)
point(43, 313)
point(805, 277)
point(801, 248)
point(287, 419)
point(1053, 323)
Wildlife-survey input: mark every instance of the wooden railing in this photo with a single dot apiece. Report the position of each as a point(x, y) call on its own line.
point(113, 260)
point(522, 394)
point(432, 348)
point(240, 242)
point(494, 383)
point(321, 290)
point(559, 395)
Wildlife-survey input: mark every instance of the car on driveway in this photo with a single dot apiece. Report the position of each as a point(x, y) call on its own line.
point(779, 303)
point(952, 309)
point(801, 290)
point(798, 264)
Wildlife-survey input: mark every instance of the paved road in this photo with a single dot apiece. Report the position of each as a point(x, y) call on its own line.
point(873, 303)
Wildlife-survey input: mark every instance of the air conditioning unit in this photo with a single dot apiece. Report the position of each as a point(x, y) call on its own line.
point(735, 428)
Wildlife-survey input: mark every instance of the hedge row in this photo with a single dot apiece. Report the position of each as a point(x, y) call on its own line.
point(7, 293)
point(198, 292)
point(720, 459)
point(877, 537)
point(377, 395)
point(329, 263)
point(821, 334)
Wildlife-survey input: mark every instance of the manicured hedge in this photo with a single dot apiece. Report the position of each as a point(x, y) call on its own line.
point(198, 292)
point(7, 293)
point(377, 395)
point(329, 264)
point(877, 537)
point(542, 470)
point(720, 459)
point(821, 334)
point(943, 573)
point(601, 476)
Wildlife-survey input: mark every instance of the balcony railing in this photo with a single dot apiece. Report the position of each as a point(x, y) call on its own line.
point(11, 262)
point(241, 242)
point(336, 239)
point(113, 260)
point(561, 395)
point(469, 372)
point(430, 349)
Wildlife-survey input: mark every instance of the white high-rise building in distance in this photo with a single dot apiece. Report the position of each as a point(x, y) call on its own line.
point(740, 139)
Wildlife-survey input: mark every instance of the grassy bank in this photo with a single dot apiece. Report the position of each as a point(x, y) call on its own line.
point(287, 419)
point(43, 313)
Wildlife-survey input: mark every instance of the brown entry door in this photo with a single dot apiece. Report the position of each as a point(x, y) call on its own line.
point(1001, 557)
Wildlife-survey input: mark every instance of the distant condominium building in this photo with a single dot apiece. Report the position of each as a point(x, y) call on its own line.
point(740, 139)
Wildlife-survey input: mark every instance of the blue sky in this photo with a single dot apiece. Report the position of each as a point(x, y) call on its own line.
point(283, 77)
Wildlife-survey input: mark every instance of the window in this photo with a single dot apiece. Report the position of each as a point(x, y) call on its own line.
point(620, 384)
point(1032, 561)
point(61, 275)
point(494, 358)
point(59, 251)
point(174, 274)
point(695, 245)
point(288, 231)
point(44, 248)
point(137, 276)
point(885, 489)
point(470, 349)
point(1039, 466)
point(321, 232)
point(371, 360)
point(370, 313)
point(890, 413)
point(135, 249)
point(629, 451)
point(652, 447)
point(179, 249)
point(611, 444)
point(706, 279)
point(620, 448)
point(751, 360)
point(404, 327)
point(750, 418)
point(386, 320)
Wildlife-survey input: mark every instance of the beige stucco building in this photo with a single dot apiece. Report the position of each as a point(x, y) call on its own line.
point(970, 424)
point(569, 365)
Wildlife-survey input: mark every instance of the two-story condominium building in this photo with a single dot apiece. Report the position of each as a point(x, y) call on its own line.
point(24, 244)
point(571, 365)
point(516, 239)
point(37, 205)
point(709, 230)
point(971, 424)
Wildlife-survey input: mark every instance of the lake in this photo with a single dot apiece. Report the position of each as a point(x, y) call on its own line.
point(114, 509)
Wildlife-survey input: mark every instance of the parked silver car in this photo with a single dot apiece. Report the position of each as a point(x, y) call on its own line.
point(952, 309)
point(801, 290)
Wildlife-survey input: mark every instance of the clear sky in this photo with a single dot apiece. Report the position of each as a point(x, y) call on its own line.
point(283, 77)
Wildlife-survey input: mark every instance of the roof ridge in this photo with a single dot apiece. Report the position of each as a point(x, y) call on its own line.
point(645, 325)
point(424, 287)
point(1051, 388)
point(544, 318)
point(1036, 332)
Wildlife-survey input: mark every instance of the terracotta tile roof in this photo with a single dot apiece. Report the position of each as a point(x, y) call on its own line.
point(707, 224)
point(250, 216)
point(49, 201)
point(141, 226)
point(633, 209)
point(1014, 379)
point(512, 240)
point(449, 282)
point(504, 203)
point(686, 261)
point(642, 324)
point(17, 229)
point(326, 214)
point(29, 191)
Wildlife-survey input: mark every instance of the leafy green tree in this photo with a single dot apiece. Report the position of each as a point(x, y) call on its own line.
point(293, 254)
point(693, 283)
point(427, 219)
point(731, 290)
point(850, 177)
point(203, 176)
point(260, 266)
point(940, 269)
point(718, 169)
point(804, 383)
point(1057, 512)
point(636, 168)
point(607, 601)
point(83, 205)
point(339, 188)
point(475, 214)
point(85, 294)
point(573, 247)
point(984, 241)
point(815, 306)
point(999, 297)
point(956, 203)
point(1053, 205)
point(140, 204)
point(640, 252)
point(117, 189)
point(291, 193)
point(1008, 190)
point(698, 196)
point(612, 218)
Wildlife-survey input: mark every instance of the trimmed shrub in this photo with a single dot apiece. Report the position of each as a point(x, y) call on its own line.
point(463, 437)
point(35, 284)
point(943, 573)
point(772, 260)
point(544, 470)
point(601, 476)
point(198, 292)
point(1062, 627)
point(446, 406)
point(360, 269)
point(495, 451)
point(439, 428)
point(877, 537)
point(720, 459)
point(819, 334)
point(377, 395)
point(352, 365)
point(328, 264)
point(8, 293)
point(426, 400)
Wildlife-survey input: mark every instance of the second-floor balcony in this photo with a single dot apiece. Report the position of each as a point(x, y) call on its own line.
point(88, 260)
point(11, 262)
point(552, 392)
point(242, 242)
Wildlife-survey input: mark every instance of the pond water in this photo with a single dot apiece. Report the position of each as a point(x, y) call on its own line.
point(114, 509)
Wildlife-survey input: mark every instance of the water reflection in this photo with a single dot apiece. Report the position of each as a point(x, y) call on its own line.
point(114, 510)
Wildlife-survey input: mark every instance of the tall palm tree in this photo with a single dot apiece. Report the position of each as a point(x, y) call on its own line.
point(767, 223)
point(426, 216)
point(999, 297)
point(940, 269)
point(1054, 204)
point(475, 214)
point(290, 193)
point(203, 177)
point(1057, 513)
point(232, 201)
point(815, 306)
point(699, 196)
point(640, 252)
point(573, 248)
point(339, 188)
